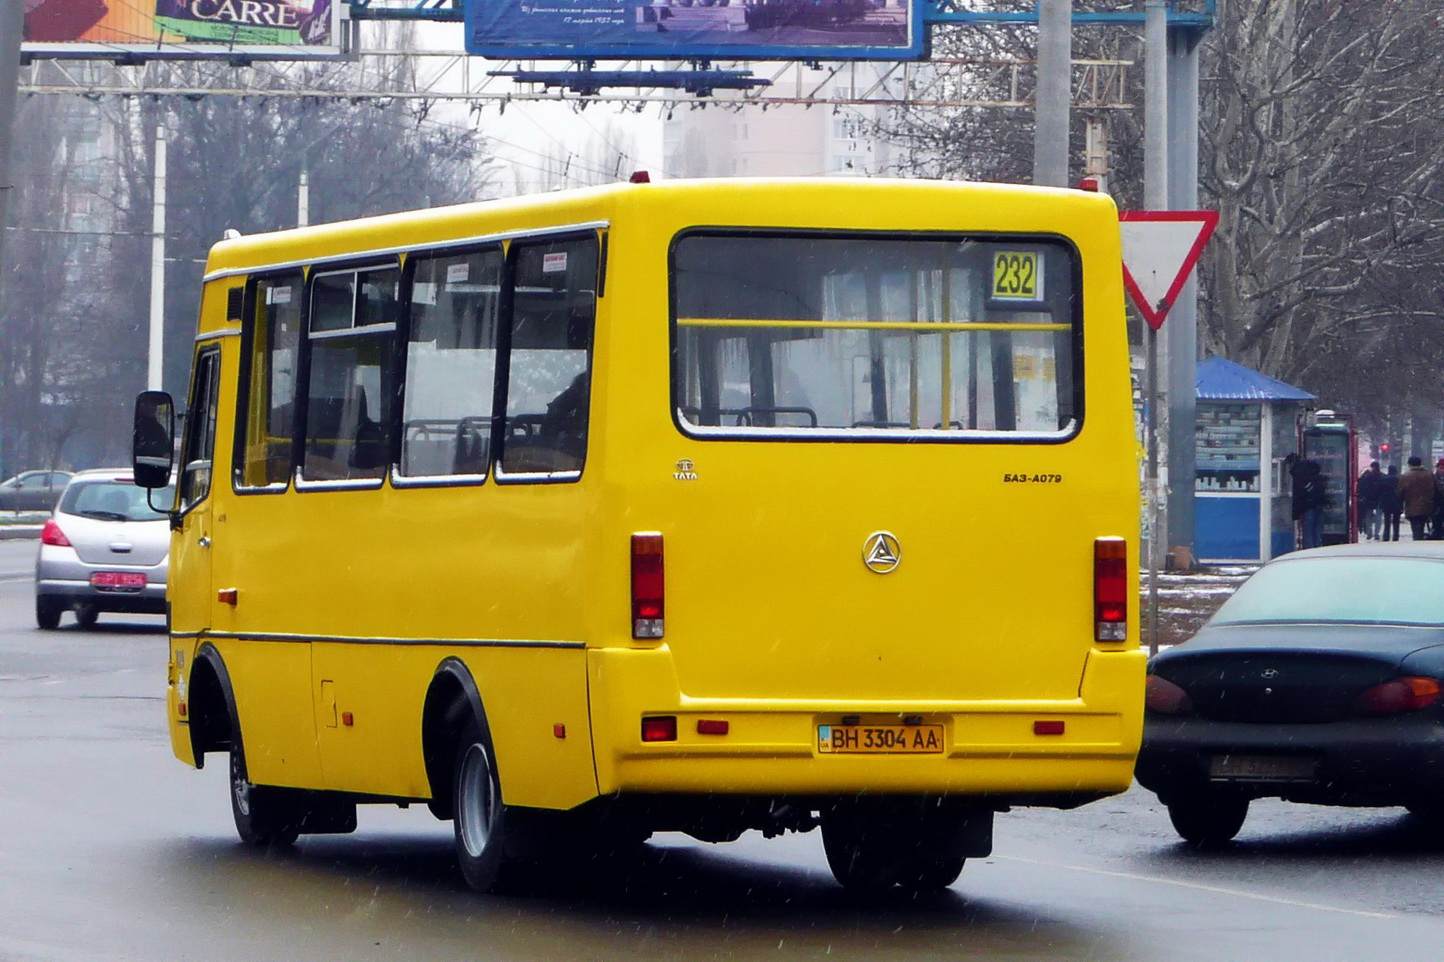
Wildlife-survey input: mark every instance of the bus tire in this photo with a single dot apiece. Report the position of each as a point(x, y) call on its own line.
point(479, 816)
point(862, 862)
point(47, 612)
point(264, 816)
point(931, 874)
point(1208, 820)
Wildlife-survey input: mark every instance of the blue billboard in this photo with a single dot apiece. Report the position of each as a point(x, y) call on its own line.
point(694, 29)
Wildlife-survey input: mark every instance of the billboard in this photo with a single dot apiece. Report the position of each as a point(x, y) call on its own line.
point(258, 29)
point(695, 29)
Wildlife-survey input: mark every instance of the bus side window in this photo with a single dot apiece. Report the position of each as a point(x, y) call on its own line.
point(200, 430)
point(548, 389)
point(265, 420)
point(349, 379)
point(451, 364)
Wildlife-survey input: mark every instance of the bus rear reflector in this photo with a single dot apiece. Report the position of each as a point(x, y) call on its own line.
point(648, 586)
point(659, 728)
point(1110, 589)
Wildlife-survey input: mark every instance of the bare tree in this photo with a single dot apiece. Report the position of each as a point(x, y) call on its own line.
point(1322, 156)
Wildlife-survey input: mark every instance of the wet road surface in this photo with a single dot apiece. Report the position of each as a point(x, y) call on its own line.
point(112, 849)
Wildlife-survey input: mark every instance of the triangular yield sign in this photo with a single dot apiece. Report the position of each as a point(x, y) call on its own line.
point(1160, 248)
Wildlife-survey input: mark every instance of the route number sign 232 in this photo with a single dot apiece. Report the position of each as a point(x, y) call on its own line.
point(1017, 276)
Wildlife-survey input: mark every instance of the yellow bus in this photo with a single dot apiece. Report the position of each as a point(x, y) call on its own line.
point(698, 506)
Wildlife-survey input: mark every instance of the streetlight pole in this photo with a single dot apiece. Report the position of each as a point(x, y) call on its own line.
point(154, 366)
point(12, 28)
point(1054, 94)
point(1155, 197)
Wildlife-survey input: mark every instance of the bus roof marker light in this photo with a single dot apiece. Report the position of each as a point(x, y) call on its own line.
point(640, 177)
point(1110, 589)
point(648, 586)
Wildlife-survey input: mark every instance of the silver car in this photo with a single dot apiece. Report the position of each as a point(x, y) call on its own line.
point(103, 549)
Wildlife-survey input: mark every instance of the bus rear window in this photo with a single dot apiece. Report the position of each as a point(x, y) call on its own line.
point(875, 337)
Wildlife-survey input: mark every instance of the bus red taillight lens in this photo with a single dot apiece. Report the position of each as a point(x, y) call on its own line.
point(1397, 696)
point(52, 535)
point(1166, 698)
point(648, 586)
point(659, 728)
point(1110, 589)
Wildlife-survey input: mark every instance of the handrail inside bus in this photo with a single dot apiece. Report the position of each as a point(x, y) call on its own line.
point(921, 326)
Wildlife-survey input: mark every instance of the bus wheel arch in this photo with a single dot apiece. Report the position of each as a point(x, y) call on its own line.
point(210, 705)
point(263, 815)
point(451, 701)
point(461, 767)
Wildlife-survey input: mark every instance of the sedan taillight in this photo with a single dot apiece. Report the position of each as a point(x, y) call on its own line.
point(1163, 696)
point(52, 535)
point(1397, 696)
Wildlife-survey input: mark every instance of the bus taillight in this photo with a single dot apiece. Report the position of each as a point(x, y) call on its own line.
point(1110, 589)
point(648, 585)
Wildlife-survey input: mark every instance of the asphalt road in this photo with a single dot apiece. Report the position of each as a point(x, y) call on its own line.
point(111, 849)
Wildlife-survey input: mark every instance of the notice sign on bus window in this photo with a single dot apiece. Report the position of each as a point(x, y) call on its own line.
point(1017, 277)
point(694, 29)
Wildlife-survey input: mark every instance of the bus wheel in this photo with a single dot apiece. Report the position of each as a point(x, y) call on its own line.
point(1208, 820)
point(264, 816)
point(860, 861)
point(480, 818)
point(931, 874)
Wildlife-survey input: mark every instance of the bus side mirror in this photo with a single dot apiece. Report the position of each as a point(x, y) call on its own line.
point(153, 449)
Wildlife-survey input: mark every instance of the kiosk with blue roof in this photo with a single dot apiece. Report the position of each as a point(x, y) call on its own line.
point(1247, 424)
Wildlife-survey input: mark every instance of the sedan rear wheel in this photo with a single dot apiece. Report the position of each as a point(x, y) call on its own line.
point(1209, 819)
point(86, 615)
point(47, 612)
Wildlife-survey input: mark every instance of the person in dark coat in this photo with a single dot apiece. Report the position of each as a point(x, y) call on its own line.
point(1391, 506)
point(1370, 492)
point(1416, 487)
point(1439, 500)
point(1309, 499)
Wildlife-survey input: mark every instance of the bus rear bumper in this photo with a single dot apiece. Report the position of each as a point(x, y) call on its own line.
point(1053, 753)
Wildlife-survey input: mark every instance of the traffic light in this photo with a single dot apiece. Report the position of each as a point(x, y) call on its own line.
point(1384, 448)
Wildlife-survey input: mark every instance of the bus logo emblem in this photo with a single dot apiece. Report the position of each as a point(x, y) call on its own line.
point(686, 470)
point(881, 552)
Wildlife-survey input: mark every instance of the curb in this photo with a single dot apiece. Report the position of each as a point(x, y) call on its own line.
point(17, 532)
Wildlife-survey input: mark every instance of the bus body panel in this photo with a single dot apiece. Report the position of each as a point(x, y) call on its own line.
point(772, 620)
point(769, 739)
point(767, 598)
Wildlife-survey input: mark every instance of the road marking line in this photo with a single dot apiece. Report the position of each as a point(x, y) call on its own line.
point(1199, 887)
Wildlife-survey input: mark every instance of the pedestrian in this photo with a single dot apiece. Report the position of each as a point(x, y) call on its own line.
point(1297, 473)
point(1315, 499)
point(1309, 499)
point(1439, 500)
point(1370, 492)
point(1390, 504)
point(1416, 488)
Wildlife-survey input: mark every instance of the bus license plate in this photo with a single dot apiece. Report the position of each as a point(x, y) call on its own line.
point(118, 579)
point(1261, 768)
point(879, 739)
